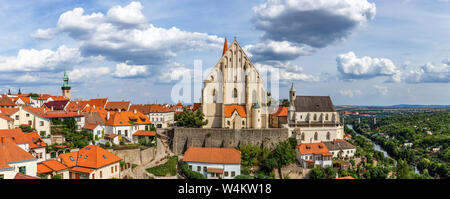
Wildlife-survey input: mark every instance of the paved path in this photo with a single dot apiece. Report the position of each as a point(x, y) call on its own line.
point(162, 151)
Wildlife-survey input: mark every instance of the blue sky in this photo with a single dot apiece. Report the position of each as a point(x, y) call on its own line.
point(361, 52)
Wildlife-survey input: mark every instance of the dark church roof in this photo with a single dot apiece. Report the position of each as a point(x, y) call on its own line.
point(314, 104)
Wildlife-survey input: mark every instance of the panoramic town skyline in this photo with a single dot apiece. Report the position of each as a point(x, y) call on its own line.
point(357, 52)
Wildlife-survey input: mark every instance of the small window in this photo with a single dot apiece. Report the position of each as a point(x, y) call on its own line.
point(23, 170)
point(101, 174)
point(190, 167)
point(199, 168)
point(17, 117)
point(226, 173)
point(28, 115)
point(233, 174)
point(71, 158)
point(112, 169)
point(315, 136)
point(204, 169)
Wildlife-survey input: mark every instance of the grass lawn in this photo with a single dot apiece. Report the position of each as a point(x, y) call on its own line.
point(170, 167)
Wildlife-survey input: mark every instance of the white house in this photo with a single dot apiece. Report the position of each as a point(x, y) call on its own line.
point(214, 163)
point(311, 154)
point(341, 149)
point(30, 142)
point(14, 160)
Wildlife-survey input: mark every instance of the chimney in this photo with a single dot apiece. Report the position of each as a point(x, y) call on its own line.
point(93, 106)
point(135, 112)
point(107, 116)
point(78, 112)
point(52, 108)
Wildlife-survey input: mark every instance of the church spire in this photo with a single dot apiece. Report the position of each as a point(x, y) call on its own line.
point(20, 93)
point(225, 47)
point(9, 91)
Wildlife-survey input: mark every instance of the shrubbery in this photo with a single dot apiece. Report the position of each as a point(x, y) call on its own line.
point(170, 167)
point(189, 173)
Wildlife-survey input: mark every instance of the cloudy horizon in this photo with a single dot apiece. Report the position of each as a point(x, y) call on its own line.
point(359, 52)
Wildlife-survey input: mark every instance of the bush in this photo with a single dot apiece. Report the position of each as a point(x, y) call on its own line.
point(57, 176)
point(243, 177)
point(107, 144)
point(170, 167)
point(42, 133)
point(189, 173)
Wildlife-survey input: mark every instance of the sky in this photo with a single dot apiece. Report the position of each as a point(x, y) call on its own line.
point(358, 52)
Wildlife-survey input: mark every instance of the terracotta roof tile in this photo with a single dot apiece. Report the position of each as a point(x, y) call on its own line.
point(9, 111)
point(91, 156)
point(100, 102)
point(281, 112)
point(120, 105)
point(214, 170)
point(56, 105)
point(76, 105)
point(213, 155)
point(229, 110)
point(314, 148)
point(145, 133)
point(20, 176)
point(51, 165)
point(11, 152)
point(90, 126)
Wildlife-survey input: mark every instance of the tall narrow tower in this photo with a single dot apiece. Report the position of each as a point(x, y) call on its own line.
point(65, 87)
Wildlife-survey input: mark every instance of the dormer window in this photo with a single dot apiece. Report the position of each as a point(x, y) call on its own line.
point(71, 158)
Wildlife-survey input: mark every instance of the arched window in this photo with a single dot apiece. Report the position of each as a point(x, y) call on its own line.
point(228, 122)
point(326, 117)
point(212, 78)
point(328, 135)
point(214, 95)
point(315, 136)
point(303, 136)
point(235, 93)
point(315, 117)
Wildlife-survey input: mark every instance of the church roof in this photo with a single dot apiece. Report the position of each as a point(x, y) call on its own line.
point(229, 110)
point(314, 104)
point(225, 47)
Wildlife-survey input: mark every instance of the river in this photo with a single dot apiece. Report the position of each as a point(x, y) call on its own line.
point(377, 147)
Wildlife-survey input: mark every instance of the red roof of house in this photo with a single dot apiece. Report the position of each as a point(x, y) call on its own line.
point(82, 169)
point(56, 105)
point(90, 126)
point(314, 148)
point(20, 176)
point(6, 101)
point(100, 102)
point(213, 155)
point(60, 114)
point(229, 110)
point(346, 177)
point(5, 117)
point(11, 152)
point(91, 156)
point(214, 170)
point(121, 105)
point(281, 112)
point(145, 133)
point(9, 111)
point(76, 106)
point(32, 139)
point(50, 166)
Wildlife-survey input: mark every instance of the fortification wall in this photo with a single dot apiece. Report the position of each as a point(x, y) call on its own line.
point(183, 138)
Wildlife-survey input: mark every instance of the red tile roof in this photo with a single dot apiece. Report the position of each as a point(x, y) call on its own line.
point(100, 102)
point(314, 148)
point(121, 105)
point(9, 111)
point(346, 177)
point(60, 114)
point(214, 170)
point(91, 156)
point(5, 117)
point(281, 112)
point(50, 166)
point(229, 110)
point(213, 155)
point(145, 133)
point(6, 101)
point(20, 176)
point(90, 126)
point(76, 106)
point(82, 169)
point(124, 118)
point(11, 152)
point(56, 105)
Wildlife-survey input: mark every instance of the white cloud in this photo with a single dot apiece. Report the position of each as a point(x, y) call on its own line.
point(285, 72)
point(79, 74)
point(351, 67)
point(43, 33)
point(429, 73)
point(274, 50)
point(383, 90)
point(124, 70)
point(27, 78)
point(123, 36)
point(350, 93)
point(316, 23)
point(40, 60)
point(130, 14)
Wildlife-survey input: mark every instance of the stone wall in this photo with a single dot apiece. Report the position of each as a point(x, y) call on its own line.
point(183, 138)
point(135, 156)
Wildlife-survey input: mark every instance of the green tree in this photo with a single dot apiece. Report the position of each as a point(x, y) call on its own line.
point(330, 172)
point(191, 119)
point(284, 102)
point(317, 173)
point(402, 169)
point(284, 154)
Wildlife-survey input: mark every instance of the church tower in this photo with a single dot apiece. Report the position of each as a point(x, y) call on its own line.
point(65, 87)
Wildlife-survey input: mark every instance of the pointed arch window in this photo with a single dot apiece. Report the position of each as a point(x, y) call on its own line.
point(214, 94)
point(315, 117)
point(303, 136)
point(316, 136)
point(328, 135)
point(235, 93)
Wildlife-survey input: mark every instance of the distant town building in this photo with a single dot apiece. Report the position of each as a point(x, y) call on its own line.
point(341, 149)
